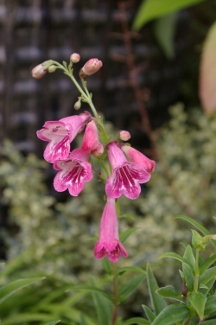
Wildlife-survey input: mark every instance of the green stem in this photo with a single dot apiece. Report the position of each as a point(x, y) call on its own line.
point(196, 277)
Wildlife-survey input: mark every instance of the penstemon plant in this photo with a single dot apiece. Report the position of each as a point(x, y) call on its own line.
point(122, 169)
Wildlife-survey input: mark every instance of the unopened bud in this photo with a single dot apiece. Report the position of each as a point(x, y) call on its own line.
point(77, 105)
point(124, 135)
point(90, 67)
point(52, 69)
point(41, 69)
point(75, 57)
point(99, 150)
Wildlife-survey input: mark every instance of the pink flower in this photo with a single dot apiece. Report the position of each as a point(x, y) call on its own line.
point(60, 134)
point(41, 69)
point(90, 67)
point(73, 172)
point(137, 157)
point(126, 176)
point(108, 243)
point(91, 141)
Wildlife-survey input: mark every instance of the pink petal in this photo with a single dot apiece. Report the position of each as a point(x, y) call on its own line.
point(57, 150)
point(52, 130)
point(139, 158)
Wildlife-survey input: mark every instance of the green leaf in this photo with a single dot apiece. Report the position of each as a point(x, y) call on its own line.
point(137, 321)
point(83, 320)
point(172, 314)
point(128, 269)
point(125, 234)
point(149, 314)
point(189, 256)
point(208, 322)
point(198, 301)
point(53, 323)
point(197, 240)
point(93, 289)
point(196, 224)
point(208, 275)
point(130, 286)
point(103, 306)
point(177, 257)
point(170, 292)
point(210, 306)
point(164, 30)
point(151, 9)
point(9, 289)
point(207, 263)
point(158, 303)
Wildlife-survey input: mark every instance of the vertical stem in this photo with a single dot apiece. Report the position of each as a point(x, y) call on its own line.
point(196, 277)
point(115, 294)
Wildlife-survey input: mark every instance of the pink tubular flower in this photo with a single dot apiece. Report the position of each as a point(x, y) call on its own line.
point(126, 176)
point(73, 172)
point(90, 67)
point(137, 157)
point(60, 134)
point(108, 243)
point(91, 141)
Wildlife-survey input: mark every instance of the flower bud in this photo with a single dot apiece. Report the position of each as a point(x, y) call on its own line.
point(41, 69)
point(90, 67)
point(77, 105)
point(52, 69)
point(75, 57)
point(124, 135)
point(99, 150)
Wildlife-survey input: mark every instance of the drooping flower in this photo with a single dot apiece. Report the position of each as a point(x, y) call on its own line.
point(90, 142)
point(41, 69)
point(73, 172)
point(60, 134)
point(126, 176)
point(90, 67)
point(139, 158)
point(108, 243)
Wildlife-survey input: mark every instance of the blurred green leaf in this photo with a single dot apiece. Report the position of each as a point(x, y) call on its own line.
point(210, 306)
point(149, 314)
point(107, 265)
point(130, 286)
point(137, 321)
point(198, 301)
point(188, 276)
point(197, 240)
point(125, 234)
point(208, 275)
point(53, 323)
point(151, 9)
point(103, 306)
point(172, 314)
point(210, 261)
point(176, 257)
point(10, 288)
point(196, 224)
point(83, 320)
point(164, 30)
point(91, 289)
point(170, 292)
point(127, 269)
point(208, 322)
point(158, 303)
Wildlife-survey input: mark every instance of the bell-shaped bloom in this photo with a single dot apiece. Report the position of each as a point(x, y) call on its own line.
point(60, 134)
point(108, 243)
point(137, 157)
point(126, 176)
point(90, 142)
point(73, 172)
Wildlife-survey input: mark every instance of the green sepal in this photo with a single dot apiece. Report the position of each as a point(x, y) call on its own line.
point(158, 303)
point(149, 314)
point(170, 292)
point(172, 314)
point(198, 301)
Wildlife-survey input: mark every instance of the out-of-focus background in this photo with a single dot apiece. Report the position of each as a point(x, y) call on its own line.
point(149, 85)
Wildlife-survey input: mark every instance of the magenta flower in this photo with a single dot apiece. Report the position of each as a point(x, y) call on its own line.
point(137, 157)
point(126, 176)
point(60, 134)
point(108, 243)
point(73, 172)
point(91, 141)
